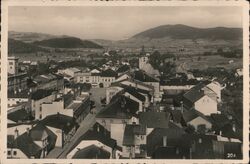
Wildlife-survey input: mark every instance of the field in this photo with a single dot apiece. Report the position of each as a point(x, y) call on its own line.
point(203, 62)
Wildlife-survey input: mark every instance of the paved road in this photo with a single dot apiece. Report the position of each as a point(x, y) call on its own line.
point(87, 123)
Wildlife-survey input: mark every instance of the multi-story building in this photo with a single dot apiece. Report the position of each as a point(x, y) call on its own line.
point(13, 65)
point(97, 80)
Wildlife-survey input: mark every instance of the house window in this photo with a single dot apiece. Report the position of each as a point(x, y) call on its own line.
point(40, 108)
point(142, 137)
point(40, 116)
point(14, 153)
point(9, 152)
point(10, 63)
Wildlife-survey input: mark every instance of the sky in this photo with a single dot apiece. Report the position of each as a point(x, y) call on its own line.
point(116, 23)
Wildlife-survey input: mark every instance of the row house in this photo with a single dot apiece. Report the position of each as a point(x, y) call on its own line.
point(46, 82)
point(36, 142)
point(96, 138)
point(17, 82)
point(97, 80)
point(119, 112)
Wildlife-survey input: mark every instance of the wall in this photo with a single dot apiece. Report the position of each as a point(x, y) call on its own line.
point(54, 108)
point(58, 133)
point(19, 154)
point(200, 121)
point(85, 143)
point(135, 99)
point(215, 86)
point(206, 105)
point(117, 132)
point(14, 101)
point(36, 104)
point(21, 129)
point(156, 85)
point(110, 92)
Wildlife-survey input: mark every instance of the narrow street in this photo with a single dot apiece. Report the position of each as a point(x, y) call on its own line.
point(87, 123)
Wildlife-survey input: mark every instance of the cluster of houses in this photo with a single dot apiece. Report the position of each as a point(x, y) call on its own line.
point(142, 116)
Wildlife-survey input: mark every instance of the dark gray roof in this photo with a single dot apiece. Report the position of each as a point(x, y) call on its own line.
point(59, 121)
point(22, 94)
point(194, 95)
point(123, 68)
point(179, 82)
point(130, 132)
point(169, 152)
point(121, 107)
point(19, 115)
point(155, 139)
point(98, 133)
point(26, 144)
point(144, 77)
point(92, 152)
point(191, 114)
point(41, 93)
point(154, 119)
point(108, 73)
point(134, 92)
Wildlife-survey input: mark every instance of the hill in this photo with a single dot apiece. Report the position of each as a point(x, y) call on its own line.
point(186, 32)
point(67, 42)
point(29, 37)
point(16, 46)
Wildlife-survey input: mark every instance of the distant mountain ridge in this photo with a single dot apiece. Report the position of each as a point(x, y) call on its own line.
point(16, 46)
point(30, 37)
point(67, 42)
point(180, 31)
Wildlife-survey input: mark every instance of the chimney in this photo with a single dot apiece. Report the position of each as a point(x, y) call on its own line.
point(177, 151)
point(220, 132)
point(181, 106)
point(200, 140)
point(28, 131)
point(98, 128)
point(234, 127)
point(164, 141)
point(16, 134)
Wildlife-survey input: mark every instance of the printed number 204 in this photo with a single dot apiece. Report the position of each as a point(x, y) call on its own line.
point(231, 155)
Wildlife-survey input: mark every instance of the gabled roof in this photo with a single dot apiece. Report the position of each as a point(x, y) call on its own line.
point(130, 132)
point(39, 131)
point(196, 92)
point(92, 152)
point(173, 135)
point(26, 144)
point(154, 119)
point(134, 92)
point(194, 95)
point(73, 69)
point(121, 108)
point(59, 121)
point(19, 115)
point(98, 133)
point(191, 114)
point(144, 77)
